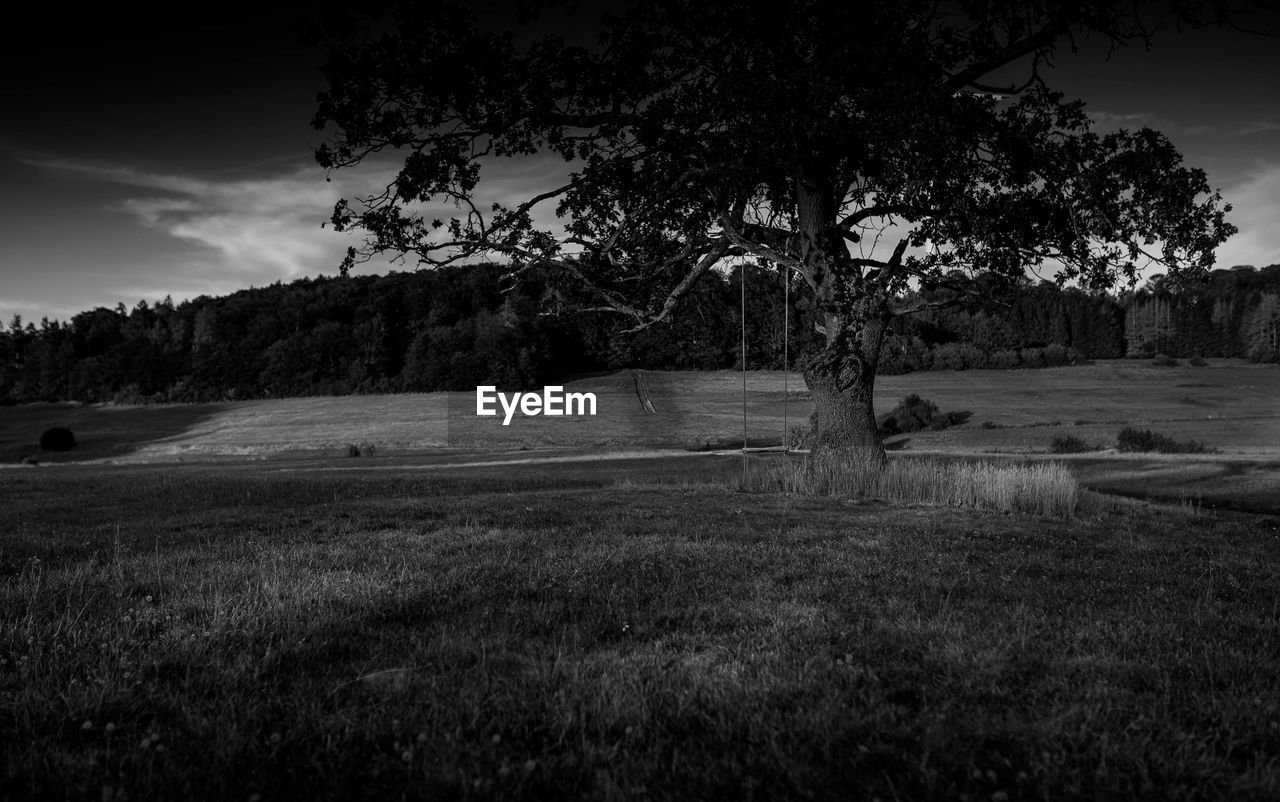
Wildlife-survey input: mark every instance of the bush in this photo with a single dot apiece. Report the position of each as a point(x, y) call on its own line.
point(1033, 357)
point(912, 415)
point(902, 354)
point(1069, 445)
point(1005, 360)
point(1145, 440)
point(1056, 355)
point(1164, 361)
point(1197, 361)
point(916, 414)
point(59, 438)
point(956, 356)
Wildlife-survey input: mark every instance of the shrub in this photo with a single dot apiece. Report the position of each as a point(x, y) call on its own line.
point(59, 438)
point(974, 357)
point(1056, 355)
point(912, 415)
point(952, 356)
point(1005, 360)
point(1069, 445)
point(1033, 357)
point(1164, 361)
point(989, 424)
point(903, 354)
point(915, 414)
point(1131, 440)
point(1197, 361)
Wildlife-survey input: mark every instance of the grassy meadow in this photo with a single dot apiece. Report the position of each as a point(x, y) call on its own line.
point(619, 630)
point(1230, 405)
point(388, 598)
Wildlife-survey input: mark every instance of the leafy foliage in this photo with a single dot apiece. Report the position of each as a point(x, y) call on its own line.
point(912, 414)
point(915, 414)
point(1067, 444)
point(1131, 440)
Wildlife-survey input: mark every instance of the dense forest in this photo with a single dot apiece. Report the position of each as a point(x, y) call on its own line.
point(1237, 313)
point(455, 328)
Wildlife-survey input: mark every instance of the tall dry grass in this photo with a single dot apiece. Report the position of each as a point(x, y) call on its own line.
point(1039, 489)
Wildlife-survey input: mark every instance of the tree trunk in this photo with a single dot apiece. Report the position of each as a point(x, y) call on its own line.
point(855, 314)
point(844, 419)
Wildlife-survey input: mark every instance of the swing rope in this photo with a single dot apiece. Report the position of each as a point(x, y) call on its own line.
point(786, 352)
point(783, 446)
point(742, 284)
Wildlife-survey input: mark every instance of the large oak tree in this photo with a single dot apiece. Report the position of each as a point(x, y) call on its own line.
point(871, 148)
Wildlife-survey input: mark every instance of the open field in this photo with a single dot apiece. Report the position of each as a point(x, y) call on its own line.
point(617, 630)
point(1231, 406)
point(221, 601)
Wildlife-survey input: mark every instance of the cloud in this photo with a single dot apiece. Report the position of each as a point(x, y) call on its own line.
point(1257, 127)
point(31, 311)
point(260, 230)
point(1255, 210)
point(1110, 121)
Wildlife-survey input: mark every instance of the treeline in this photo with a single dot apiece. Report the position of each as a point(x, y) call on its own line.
point(322, 336)
point(456, 328)
point(1038, 325)
point(1235, 314)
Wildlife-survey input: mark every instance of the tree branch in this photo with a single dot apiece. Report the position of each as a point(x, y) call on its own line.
point(756, 248)
point(1038, 41)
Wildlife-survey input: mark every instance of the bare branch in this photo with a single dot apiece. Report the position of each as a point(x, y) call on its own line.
point(1037, 42)
point(691, 278)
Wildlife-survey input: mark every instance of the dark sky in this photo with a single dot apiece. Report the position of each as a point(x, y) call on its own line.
point(144, 156)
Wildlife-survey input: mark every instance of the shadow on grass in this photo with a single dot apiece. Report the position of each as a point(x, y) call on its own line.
point(541, 633)
point(1235, 486)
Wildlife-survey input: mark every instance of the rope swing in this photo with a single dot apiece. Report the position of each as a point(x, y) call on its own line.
point(786, 358)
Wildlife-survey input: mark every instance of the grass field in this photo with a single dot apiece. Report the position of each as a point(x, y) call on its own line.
point(618, 630)
point(1231, 406)
point(221, 602)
